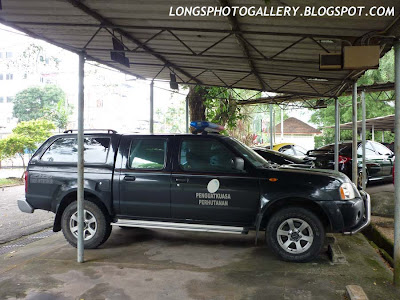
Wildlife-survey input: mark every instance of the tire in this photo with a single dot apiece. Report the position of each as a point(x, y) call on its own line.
point(299, 246)
point(97, 230)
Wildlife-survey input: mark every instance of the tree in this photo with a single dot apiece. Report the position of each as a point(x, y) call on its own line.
point(25, 138)
point(37, 102)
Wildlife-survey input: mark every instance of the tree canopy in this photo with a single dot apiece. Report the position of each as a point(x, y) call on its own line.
point(46, 102)
point(25, 137)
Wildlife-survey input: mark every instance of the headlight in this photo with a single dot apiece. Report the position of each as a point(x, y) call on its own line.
point(346, 191)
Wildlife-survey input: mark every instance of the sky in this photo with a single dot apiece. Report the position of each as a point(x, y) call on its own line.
point(115, 115)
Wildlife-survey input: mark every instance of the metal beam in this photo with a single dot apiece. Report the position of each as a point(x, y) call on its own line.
point(337, 133)
point(396, 250)
point(187, 29)
point(271, 127)
point(363, 138)
point(354, 162)
point(130, 37)
point(80, 200)
point(152, 107)
point(236, 26)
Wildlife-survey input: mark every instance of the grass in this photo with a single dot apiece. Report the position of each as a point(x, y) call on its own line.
point(10, 181)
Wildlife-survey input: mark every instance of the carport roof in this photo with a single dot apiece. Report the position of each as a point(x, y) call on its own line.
point(385, 123)
point(274, 54)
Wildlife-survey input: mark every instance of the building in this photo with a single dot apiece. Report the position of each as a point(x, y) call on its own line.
point(296, 132)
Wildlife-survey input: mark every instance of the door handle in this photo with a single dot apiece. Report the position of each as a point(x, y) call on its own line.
point(129, 178)
point(181, 180)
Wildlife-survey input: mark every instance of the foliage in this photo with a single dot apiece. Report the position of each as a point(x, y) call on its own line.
point(374, 108)
point(37, 102)
point(59, 114)
point(25, 138)
point(32, 59)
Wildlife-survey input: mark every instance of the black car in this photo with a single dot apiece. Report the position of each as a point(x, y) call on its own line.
point(379, 160)
point(205, 182)
point(278, 158)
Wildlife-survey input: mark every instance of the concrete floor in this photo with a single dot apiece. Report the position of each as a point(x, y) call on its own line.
point(157, 264)
point(13, 222)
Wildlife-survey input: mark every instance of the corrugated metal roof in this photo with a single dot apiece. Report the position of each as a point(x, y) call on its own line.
point(276, 54)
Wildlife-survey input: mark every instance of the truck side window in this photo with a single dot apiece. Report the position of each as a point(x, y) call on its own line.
point(147, 154)
point(206, 155)
point(66, 150)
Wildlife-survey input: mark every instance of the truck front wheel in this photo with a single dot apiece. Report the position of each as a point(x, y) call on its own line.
point(295, 234)
point(96, 228)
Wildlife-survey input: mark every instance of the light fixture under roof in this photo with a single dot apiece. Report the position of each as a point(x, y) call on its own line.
point(317, 79)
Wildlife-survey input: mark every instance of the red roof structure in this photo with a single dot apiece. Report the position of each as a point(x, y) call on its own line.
point(295, 126)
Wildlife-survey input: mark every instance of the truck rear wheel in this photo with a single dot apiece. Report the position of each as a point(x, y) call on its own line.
point(295, 234)
point(96, 229)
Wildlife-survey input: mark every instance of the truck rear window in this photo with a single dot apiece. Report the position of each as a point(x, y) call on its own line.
point(65, 150)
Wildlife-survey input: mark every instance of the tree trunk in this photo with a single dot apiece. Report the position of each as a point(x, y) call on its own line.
point(23, 165)
point(195, 97)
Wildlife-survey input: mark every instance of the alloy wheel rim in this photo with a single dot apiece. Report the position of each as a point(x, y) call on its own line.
point(295, 235)
point(89, 225)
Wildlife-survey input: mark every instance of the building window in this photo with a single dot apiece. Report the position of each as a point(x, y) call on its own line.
point(1, 54)
point(10, 99)
point(9, 54)
point(1, 99)
point(9, 76)
point(1, 75)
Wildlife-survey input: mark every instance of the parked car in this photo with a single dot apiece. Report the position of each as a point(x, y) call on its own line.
point(379, 160)
point(277, 158)
point(290, 149)
point(203, 182)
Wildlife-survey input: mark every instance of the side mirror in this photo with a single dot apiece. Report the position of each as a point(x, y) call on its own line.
point(239, 163)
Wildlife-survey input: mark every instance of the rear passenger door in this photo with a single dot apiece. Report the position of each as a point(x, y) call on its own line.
point(144, 178)
point(206, 186)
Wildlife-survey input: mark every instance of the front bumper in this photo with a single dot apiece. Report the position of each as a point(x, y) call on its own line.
point(366, 219)
point(25, 207)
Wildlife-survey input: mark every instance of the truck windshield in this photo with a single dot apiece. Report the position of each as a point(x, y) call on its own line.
point(255, 159)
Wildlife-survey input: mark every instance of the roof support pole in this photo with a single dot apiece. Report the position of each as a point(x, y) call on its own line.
point(282, 125)
point(364, 128)
point(354, 162)
point(152, 107)
point(271, 128)
point(187, 115)
point(396, 250)
point(373, 132)
point(383, 136)
point(337, 133)
point(80, 204)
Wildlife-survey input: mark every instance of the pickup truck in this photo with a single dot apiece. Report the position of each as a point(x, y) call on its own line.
point(199, 182)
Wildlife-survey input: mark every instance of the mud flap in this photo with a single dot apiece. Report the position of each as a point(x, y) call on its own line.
point(258, 224)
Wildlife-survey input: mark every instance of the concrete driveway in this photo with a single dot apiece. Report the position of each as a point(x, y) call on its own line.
point(13, 222)
point(157, 264)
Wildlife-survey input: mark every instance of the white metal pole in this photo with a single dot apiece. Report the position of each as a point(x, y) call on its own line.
point(337, 134)
point(281, 125)
point(364, 128)
point(152, 107)
point(383, 136)
point(271, 129)
point(396, 251)
point(354, 145)
point(187, 115)
point(80, 200)
point(373, 132)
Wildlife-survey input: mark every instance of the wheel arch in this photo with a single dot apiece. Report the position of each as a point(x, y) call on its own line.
point(302, 202)
point(71, 197)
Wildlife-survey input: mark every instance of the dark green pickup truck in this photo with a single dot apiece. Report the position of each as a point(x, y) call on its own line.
point(204, 182)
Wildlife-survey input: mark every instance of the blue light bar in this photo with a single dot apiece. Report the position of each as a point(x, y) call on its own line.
point(201, 126)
